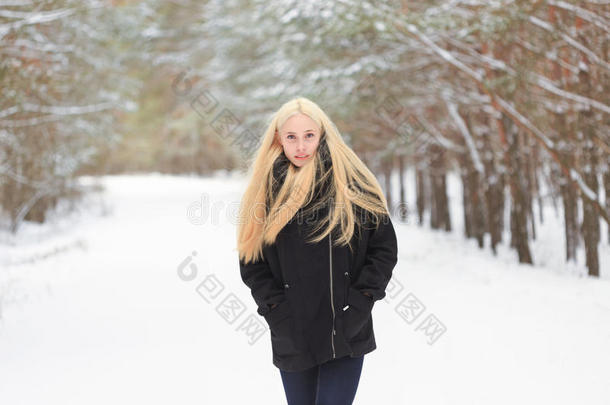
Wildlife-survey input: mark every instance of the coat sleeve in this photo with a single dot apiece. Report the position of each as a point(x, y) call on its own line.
point(265, 289)
point(381, 257)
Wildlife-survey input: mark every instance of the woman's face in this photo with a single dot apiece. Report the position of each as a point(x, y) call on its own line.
point(299, 137)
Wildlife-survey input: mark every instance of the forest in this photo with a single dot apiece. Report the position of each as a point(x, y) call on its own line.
point(128, 129)
point(514, 96)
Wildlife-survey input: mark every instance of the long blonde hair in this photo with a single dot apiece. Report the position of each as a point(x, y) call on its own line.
point(263, 212)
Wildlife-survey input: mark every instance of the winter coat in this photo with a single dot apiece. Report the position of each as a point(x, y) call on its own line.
point(321, 311)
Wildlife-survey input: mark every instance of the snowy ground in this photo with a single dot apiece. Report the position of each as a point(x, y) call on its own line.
point(92, 311)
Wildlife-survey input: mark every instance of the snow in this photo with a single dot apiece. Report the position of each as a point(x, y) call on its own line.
point(571, 41)
point(93, 310)
point(289, 16)
point(28, 18)
point(447, 56)
point(584, 13)
point(507, 105)
point(583, 186)
point(459, 122)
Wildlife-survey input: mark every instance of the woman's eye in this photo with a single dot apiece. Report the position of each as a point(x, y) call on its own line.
point(311, 134)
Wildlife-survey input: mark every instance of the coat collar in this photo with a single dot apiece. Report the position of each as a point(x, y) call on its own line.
point(281, 164)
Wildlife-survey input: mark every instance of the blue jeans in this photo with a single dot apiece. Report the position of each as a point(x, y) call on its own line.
point(331, 383)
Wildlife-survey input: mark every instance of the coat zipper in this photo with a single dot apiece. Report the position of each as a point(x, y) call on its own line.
point(346, 290)
point(332, 305)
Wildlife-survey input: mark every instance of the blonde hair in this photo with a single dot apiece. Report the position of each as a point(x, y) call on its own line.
point(263, 213)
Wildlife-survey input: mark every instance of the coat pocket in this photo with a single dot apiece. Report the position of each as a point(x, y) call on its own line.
point(357, 313)
point(280, 323)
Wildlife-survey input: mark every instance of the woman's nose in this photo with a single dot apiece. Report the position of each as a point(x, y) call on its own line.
point(301, 146)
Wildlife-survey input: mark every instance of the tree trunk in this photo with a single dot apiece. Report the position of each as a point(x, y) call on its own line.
point(607, 188)
point(403, 208)
point(387, 175)
point(590, 221)
point(519, 234)
point(494, 195)
point(420, 181)
point(439, 209)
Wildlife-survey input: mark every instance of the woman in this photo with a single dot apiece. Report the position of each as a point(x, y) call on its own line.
point(317, 249)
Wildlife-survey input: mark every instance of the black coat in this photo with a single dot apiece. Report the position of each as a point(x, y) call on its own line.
point(322, 312)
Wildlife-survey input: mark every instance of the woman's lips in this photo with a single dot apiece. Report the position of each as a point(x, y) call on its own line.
point(301, 158)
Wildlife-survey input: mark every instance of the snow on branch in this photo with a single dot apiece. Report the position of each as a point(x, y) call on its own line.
point(524, 121)
point(570, 41)
point(474, 154)
point(29, 18)
point(586, 15)
point(546, 84)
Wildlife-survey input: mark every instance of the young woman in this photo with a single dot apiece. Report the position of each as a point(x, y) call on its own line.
point(317, 249)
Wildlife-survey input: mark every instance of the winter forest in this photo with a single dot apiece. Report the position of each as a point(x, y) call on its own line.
point(127, 128)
